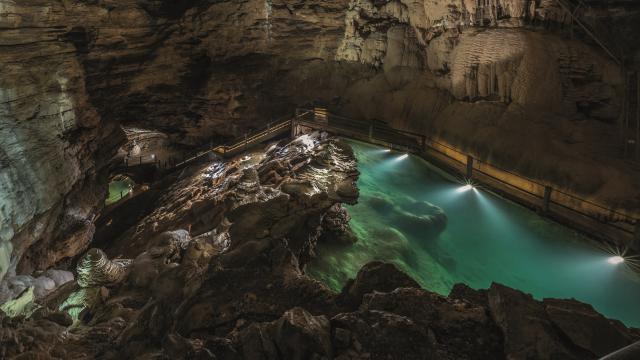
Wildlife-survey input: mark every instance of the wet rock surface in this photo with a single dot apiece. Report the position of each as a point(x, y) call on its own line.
point(241, 293)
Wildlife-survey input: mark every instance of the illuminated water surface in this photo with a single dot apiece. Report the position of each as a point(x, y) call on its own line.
point(119, 189)
point(486, 239)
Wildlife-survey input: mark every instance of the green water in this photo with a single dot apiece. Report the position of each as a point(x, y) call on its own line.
point(486, 239)
point(119, 188)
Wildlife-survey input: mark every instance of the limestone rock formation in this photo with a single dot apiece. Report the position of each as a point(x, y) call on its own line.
point(232, 280)
point(52, 172)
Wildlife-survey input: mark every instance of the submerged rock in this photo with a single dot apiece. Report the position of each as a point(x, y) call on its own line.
point(335, 226)
point(413, 217)
point(375, 276)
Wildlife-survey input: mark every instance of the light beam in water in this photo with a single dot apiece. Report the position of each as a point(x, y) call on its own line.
point(468, 185)
point(619, 256)
point(615, 260)
point(465, 188)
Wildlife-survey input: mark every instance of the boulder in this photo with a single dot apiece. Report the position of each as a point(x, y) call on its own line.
point(586, 328)
point(460, 330)
point(298, 335)
point(382, 335)
point(375, 276)
point(528, 331)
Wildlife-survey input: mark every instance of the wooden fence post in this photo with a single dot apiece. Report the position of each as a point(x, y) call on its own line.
point(547, 199)
point(635, 244)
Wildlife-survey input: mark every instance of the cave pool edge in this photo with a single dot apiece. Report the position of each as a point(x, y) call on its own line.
point(487, 239)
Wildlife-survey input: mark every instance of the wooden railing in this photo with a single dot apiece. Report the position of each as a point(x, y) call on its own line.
point(240, 144)
point(616, 225)
point(619, 226)
point(259, 137)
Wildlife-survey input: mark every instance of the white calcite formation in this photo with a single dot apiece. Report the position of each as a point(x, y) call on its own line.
point(42, 285)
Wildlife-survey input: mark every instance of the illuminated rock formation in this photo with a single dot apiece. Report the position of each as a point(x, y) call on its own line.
point(95, 269)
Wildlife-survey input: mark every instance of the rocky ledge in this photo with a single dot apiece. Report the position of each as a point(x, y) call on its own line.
point(216, 271)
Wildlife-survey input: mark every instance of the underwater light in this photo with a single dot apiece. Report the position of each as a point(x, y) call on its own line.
point(615, 260)
point(465, 188)
point(387, 150)
point(404, 156)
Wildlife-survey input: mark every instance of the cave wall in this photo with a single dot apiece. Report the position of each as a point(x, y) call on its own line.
point(55, 143)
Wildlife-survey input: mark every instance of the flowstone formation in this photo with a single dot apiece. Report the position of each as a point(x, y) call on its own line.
point(471, 72)
point(231, 283)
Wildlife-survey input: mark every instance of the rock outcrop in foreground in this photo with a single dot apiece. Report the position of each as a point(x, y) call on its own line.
point(233, 285)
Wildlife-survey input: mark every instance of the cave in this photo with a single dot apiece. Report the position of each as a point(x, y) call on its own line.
point(341, 179)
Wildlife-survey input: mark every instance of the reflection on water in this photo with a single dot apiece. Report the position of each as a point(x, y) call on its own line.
point(412, 214)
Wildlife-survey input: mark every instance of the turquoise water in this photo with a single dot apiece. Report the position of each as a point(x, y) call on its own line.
point(477, 238)
point(118, 189)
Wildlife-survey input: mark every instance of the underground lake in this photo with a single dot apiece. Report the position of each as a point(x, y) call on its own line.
point(442, 233)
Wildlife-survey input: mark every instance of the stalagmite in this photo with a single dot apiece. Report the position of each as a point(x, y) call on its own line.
point(95, 269)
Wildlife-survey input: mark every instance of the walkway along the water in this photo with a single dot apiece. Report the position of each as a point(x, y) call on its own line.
point(617, 226)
